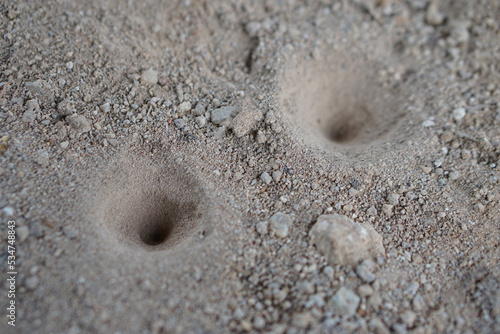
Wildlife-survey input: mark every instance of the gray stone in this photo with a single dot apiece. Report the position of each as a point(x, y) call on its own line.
point(66, 107)
point(199, 109)
point(8, 211)
point(408, 317)
point(261, 137)
point(79, 123)
point(31, 283)
point(266, 178)
point(201, 121)
point(149, 76)
point(32, 111)
point(418, 303)
point(185, 107)
point(253, 28)
point(393, 199)
point(106, 107)
point(259, 322)
point(22, 233)
point(365, 290)
point(222, 115)
point(280, 224)
point(37, 230)
point(329, 272)
point(454, 175)
point(342, 241)
point(277, 176)
point(365, 271)
point(459, 31)
point(261, 228)
point(432, 16)
point(180, 123)
point(459, 113)
point(245, 121)
point(387, 209)
point(69, 232)
point(345, 302)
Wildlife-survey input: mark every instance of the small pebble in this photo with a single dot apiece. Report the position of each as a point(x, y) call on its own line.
point(259, 322)
point(199, 109)
point(266, 178)
point(260, 138)
point(459, 113)
point(31, 283)
point(200, 121)
point(432, 16)
point(345, 302)
point(64, 145)
point(79, 123)
point(22, 233)
point(426, 169)
point(418, 303)
point(447, 136)
point(348, 208)
point(253, 28)
point(365, 271)
point(372, 211)
point(365, 290)
point(329, 272)
point(185, 107)
point(387, 209)
point(150, 76)
point(280, 224)
point(221, 115)
point(69, 232)
point(454, 175)
point(261, 228)
point(180, 123)
point(393, 199)
point(106, 107)
point(37, 230)
point(277, 176)
point(8, 211)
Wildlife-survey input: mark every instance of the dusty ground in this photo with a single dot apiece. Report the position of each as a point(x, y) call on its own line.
point(145, 146)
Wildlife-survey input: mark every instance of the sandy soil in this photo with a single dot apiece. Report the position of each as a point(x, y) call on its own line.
point(165, 163)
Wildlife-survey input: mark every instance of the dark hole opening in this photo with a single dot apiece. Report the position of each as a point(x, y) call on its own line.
point(156, 233)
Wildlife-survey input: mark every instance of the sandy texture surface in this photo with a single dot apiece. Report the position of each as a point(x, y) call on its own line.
point(275, 166)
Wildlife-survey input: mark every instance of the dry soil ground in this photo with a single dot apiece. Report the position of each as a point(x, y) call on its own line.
point(166, 162)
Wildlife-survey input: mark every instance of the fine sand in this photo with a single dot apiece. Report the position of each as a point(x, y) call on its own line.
point(165, 163)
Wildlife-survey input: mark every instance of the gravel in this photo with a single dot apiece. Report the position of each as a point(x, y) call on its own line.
point(266, 178)
point(342, 241)
point(345, 302)
point(31, 283)
point(365, 271)
point(459, 113)
point(222, 115)
point(22, 233)
point(396, 137)
point(79, 123)
point(149, 76)
point(280, 224)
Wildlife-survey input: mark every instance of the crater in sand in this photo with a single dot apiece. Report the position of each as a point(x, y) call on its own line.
point(339, 104)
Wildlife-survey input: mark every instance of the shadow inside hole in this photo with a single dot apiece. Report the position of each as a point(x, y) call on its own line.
point(344, 132)
point(156, 233)
point(347, 126)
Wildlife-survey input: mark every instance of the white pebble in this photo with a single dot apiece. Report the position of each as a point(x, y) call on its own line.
point(459, 113)
point(261, 228)
point(8, 211)
point(266, 178)
point(22, 233)
point(185, 106)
